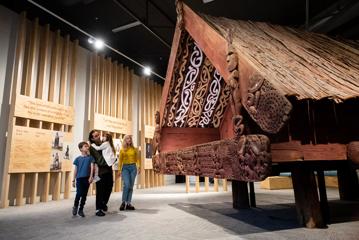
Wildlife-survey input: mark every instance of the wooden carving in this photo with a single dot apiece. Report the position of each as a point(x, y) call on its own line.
point(232, 67)
point(245, 159)
point(157, 135)
point(266, 105)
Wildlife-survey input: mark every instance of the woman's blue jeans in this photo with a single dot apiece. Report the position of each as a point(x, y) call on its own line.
point(129, 172)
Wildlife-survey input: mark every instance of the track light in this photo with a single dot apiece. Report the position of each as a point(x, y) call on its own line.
point(147, 71)
point(98, 43)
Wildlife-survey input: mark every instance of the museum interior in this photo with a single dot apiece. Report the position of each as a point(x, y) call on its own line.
point(179, 119)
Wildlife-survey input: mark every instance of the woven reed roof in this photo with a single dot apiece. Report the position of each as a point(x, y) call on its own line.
point(303, 64)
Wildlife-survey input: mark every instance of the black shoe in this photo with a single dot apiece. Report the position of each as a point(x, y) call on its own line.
point(74, 211)
point(105, 208)
point(99, 213)
point(130, 207)
point(123, 206)
point(81, 213)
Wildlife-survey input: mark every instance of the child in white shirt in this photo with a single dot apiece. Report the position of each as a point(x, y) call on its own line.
point(108, 153)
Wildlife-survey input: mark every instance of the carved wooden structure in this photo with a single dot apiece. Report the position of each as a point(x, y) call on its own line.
point(230, 80)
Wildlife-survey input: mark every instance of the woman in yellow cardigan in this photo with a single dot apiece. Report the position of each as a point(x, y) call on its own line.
point(129, 166)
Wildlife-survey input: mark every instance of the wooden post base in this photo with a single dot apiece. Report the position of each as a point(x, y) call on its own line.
point(348, 183)
point(306, 198)
point(240, 194)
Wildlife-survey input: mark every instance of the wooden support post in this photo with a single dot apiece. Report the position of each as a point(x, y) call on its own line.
point(117, 181)
point(20, 189)
point(215, 184)
point(348, 182)
point(45, 193)
point(57, 187)
point(252, 195)
point(67, 185)
point(323, 196)
point(306, 197)
point(224, 185)
point(187, 184)
point(240, 194)
point(197, 184)
point(5, 197)
point(90, 192)
point(152, 177)
point(206, 184)
point(33, 192)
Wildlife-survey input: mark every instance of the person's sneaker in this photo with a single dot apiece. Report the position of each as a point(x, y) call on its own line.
point(74, 211)
point(99, 213)
point(123, 206)
point(81, 213)
point(96, 179)
point(105, 208)
point(130, 207)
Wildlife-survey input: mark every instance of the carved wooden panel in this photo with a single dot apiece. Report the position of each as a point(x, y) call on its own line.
point(247, 159)
point(198, 95)
point(267, 106)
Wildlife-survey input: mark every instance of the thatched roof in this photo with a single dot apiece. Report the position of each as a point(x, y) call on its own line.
point(303, 64)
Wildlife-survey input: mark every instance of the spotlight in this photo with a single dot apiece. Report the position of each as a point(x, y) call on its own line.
point(90, 40)
point(99, 44)
point(147, 71)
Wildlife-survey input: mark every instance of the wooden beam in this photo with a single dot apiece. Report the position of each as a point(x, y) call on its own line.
point(55, 66)
point(43, 64)
point(67, 190)
point(295, 151)
point(170, 66)
point(176, 138)
point(75, 46)
point(57, 186)
point(209, 41)
point(64, 71)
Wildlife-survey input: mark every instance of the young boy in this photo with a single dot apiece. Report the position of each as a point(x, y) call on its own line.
point(84, 167)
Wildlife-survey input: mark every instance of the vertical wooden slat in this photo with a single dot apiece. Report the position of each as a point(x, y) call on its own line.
point(187, 184)
point(152, 176)
point(55, 65)
point(197, 184)
point(43, 64)
point(120, 92)
point(224, 184)
point(57, 186)
point(64, 70)
point(113, 95)
point(45, 193)
point(75, 46)
point(142, 136)
point(100, 85)
point(20, 189)
point(125, 94)
point(130, 83)
point(93, 95)
point(206, 184)
point(156, 180)
point(108, 77)
point(31, 59)
point(215, 184)
point(33, 191)
point(67, 185)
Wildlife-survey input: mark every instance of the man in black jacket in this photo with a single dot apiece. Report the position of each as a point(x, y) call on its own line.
point(104, 185)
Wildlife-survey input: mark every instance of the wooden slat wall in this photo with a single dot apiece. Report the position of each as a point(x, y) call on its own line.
point(111, 95)
point(150, 95)
point(35, 45)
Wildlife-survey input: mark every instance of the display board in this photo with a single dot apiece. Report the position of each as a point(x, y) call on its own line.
point(39, 150)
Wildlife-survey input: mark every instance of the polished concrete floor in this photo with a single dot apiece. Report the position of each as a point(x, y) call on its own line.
point(169, 213)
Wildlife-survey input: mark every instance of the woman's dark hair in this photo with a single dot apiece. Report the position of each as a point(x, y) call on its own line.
point(90, 135)
point(109, 139)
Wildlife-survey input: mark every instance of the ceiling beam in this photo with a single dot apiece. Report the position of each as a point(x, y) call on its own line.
point(133, 15)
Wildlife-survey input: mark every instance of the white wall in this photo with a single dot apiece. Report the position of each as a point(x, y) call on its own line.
point(8, 29)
